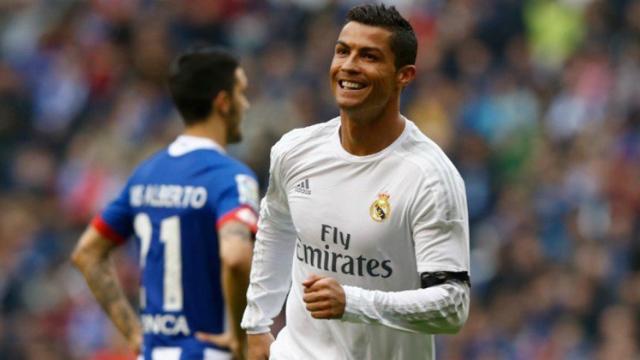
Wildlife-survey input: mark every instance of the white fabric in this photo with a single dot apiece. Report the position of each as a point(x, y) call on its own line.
point(316, 219)
point(215, 354)
point(440, 309)
point(185, 144)
point(173, 353)
point(166, 353)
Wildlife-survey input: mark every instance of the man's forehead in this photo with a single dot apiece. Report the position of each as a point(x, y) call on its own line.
point(355, 34)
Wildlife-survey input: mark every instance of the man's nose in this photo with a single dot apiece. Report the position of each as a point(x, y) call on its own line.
point(350, 65)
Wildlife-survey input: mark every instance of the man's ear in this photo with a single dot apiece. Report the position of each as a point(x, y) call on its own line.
point(405, 75)
point(222, 102)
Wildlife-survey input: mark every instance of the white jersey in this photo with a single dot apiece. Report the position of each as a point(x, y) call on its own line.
point(374, 223)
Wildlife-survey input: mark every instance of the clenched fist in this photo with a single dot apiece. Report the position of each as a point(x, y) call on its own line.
point(324, 297)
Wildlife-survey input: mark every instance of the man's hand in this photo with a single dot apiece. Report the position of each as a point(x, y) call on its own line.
point(135, 342)
point(258, 346)
point(224, 340)
point(324, 297)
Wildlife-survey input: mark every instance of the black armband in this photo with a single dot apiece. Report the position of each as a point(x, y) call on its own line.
point(429, 279)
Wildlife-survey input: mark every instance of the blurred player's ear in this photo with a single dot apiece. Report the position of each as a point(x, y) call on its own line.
point(222, 102)
point(405, 75)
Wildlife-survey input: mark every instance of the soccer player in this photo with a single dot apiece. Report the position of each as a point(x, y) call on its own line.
point(365, 222)
point(192, 210)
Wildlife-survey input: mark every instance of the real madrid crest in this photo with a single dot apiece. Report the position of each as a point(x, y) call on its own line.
point(381, 208)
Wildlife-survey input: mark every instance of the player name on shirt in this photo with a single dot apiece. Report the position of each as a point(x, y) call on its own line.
point(168, 196)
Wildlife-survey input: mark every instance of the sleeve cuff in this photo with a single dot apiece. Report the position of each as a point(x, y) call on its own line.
point(355, 303)
point(243, 214)
point(106, 230)
point(257, 330)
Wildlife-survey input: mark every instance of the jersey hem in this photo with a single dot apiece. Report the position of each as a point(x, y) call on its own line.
point(257, 330)
point(345, 155)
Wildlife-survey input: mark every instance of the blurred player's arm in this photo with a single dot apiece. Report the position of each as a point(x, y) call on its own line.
point(236, 247)
point(236, 224)
point(92, 257)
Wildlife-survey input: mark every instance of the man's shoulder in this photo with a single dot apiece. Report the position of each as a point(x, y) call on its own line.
point(426, 154)
point(147, 165)
point(201, 163)
point(219, 169)
point(309, 136)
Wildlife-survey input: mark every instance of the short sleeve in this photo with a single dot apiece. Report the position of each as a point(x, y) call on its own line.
point(440, 224)
point(116, 220)
point(238, 201)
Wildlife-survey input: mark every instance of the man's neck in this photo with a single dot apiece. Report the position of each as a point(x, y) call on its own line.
point(360, 135)
point(210, 129)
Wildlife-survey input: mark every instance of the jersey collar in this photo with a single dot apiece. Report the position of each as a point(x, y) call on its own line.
point(408, 125)
point(187, 143)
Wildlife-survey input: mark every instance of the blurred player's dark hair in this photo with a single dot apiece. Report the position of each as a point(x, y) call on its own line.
point(197, 76)
point(403, 41)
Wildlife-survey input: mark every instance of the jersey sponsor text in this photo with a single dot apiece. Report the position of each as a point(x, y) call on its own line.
point(328, 260)
point(165, 324)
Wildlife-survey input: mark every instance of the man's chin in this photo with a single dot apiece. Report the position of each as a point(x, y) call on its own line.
point(349, 105)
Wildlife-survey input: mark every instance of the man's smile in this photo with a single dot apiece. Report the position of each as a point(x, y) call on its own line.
point(351, 85)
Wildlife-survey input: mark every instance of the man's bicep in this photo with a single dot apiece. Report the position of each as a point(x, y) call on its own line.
point(441, 231)
point(235, 242)
point(442, 247)
point(237, 200)
point(237, 220)
point(92, 246)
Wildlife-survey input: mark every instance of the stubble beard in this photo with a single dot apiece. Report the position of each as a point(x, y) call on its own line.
point(232, 119)
point(234, 137)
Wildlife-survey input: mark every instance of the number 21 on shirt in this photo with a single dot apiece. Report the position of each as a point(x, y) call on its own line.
point(170, 236)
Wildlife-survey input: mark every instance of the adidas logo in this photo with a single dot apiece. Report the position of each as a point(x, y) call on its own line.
point(303, 187)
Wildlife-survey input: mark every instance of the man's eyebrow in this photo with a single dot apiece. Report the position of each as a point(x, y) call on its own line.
point(364, 49)
point(371, 49)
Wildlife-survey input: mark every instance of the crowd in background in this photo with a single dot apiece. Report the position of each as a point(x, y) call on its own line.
point(537, 102)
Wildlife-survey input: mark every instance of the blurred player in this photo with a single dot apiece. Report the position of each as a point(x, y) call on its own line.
point(371, 213)
point(191, 209)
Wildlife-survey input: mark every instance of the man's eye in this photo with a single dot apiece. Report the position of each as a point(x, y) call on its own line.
point(370, 57)
point(341, 51)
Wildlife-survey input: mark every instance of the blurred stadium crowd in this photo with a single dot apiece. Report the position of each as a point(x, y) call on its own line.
point(536, 101)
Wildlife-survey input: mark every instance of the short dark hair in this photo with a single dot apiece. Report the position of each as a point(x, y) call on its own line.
point(403, 41)
point(197, 76)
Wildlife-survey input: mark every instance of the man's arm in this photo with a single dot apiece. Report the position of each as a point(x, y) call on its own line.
point(235, 253)
point(271, 265)
point(92, 257)
point(270, 275)
point(440, 309)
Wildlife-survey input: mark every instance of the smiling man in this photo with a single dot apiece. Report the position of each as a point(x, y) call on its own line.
point(364, 224)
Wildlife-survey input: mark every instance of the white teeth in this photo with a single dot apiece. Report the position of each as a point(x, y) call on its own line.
point(351, 85)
